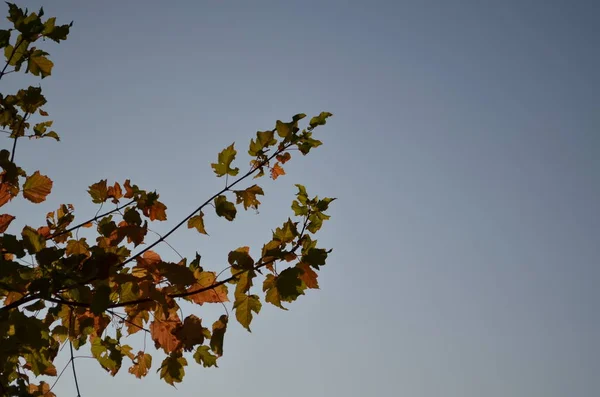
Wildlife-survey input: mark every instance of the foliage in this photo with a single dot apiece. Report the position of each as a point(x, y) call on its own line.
point(58, 288)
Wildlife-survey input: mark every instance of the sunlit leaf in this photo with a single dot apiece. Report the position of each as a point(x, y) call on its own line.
point(141, 365)
point(197, 222)
point(203, 356)
point(244, 306)
point(37, 187)
point(225, 158)
point(248, 196)
point(277, 171)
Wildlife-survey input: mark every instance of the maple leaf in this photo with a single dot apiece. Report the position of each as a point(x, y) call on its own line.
point(225, 158)
point(248, 196)
point(33, 241)
point(197, 221)
point(158, 211)
point(5, 220)
point(204, 357)
point(277, 171)
point(7, 192)
point(218, 335)
point(309, 276)
point(244, 306)
point(214, 295)
point(161, 331)
point(37, 187)
point(99, 192)
point(225, 208)
point(78, 247)
point(264, 139)
point(283, 157)
point(39, 64)
point(115, 192)
point(141, 365)
point(171, 369)
point(191, 333)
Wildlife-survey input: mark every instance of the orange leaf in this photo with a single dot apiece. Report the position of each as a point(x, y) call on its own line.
point(12, 297)
point(277, 171)
point(214, 295)
point(284, 157)
point(162, 333)
point(5, 221)
point(37, 187)
point(191, 333)
point(158, 211)
point(43, 390)
point(44, 231)
point(128, 189)
point(141, 365)
point(7, 192)
point(309, 276)
point(115, 192)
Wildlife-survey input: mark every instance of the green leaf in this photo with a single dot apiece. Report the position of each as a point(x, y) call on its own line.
point(240, 259)
point(197, 221)
point(225, 208)
point(321, 119)
point(218, 334)
point(248, 196)
point(264, 139)
point(284, 130)
point(287, 233)
point(272, 294)
point(32, 240)
point(223, 166)
point(40, 65)
point(244, 283)
point(244, 305)
point(204, 357)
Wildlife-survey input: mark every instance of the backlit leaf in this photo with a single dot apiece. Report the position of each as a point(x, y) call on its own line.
point(191, 333)
point(171, 369)
point(309, 276)
point(99, 192)
point(197, 221)
point(218, 335)
point(162, 333)
point(141, 365)
point(33, 241)
point(203, 356)
point(5, 220)
point(78, 247)
point(248, 196)
point(40, 65)
point(244, 306)
point(225, 208)
point(37, 187)
point(217, 294)
point(225, 158)
point(277, 171)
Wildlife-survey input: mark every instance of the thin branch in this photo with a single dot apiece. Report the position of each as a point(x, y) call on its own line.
point(74, 373)
point(95, 218)
point(14, 148)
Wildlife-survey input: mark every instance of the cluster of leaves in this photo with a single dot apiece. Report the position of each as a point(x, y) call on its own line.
point(59, 288)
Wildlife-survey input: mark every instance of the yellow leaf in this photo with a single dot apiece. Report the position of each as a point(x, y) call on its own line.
point(37, 187)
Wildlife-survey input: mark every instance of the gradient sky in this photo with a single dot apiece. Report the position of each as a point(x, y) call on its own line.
point(464, 153)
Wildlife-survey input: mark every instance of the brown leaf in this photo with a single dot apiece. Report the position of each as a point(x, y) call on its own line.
point(162, 333)
point(141, 365)
point(43, 390)
point(158, 212)
point(277, 171)
point(214, 295)
point(7, 192)
point(283, 157)
point(115, 192)
point(309, 276)
point(37, 187)
point(191, 333)
point(5, 221)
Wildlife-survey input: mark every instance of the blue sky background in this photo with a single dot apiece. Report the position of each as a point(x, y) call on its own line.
point(464, 153)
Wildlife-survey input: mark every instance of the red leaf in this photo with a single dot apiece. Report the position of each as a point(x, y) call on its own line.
point(277, 171)
point(5, 221)
point(37, 187)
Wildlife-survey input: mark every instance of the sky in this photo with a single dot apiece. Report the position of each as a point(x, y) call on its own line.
point(463, 152)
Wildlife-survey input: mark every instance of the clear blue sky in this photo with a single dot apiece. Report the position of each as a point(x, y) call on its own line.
point(464, 152)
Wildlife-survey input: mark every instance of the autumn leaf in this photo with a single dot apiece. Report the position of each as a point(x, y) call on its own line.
point(99, 192)
point(309, 276)
point(248, 196)
point(191, 333)
point(158, 211)
point(39, 64)
point(321, 119)
point(218, 335)
point(204, 357)
point(141, 365)
point(244, 306)
point(225, 208)
point(78, 247)
point(277, 171)
point(42, 390)
point(115, 193)
point(197, 221)
point(225, 158)
point(162, 333)
point(264, 139)
point(171, 369)
point(5, 220)
point(37, 187)
point(7, 192)
point(33, 241)
point(213, 295)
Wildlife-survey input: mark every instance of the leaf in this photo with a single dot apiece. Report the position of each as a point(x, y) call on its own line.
point(101, 299)
point(289, 284)
point(43, 390)
point(283, 157)
point(158, 211)
point(37, 187)
point(244, 306)
point(217, 294)
point(141, 365)
point(287, 233)
point(115, 192)
point(7, 192)
point(40, 65)
point(315, 257)
point(5, 220)
point(248, 196)
point(218, 335)
point(99, 192)
point(321, 119)
point(264, 139)
point(162, 333)
point(171, 369)
point(191, 333)
point(277, 171)
point(309, 276)
point(78, 247)
point(225, 208)
point(32, 240)
point(225, 158)
point(272, 294)
point(4, 38)
point(204, 357)
point(197, 221)
point(240, 259)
